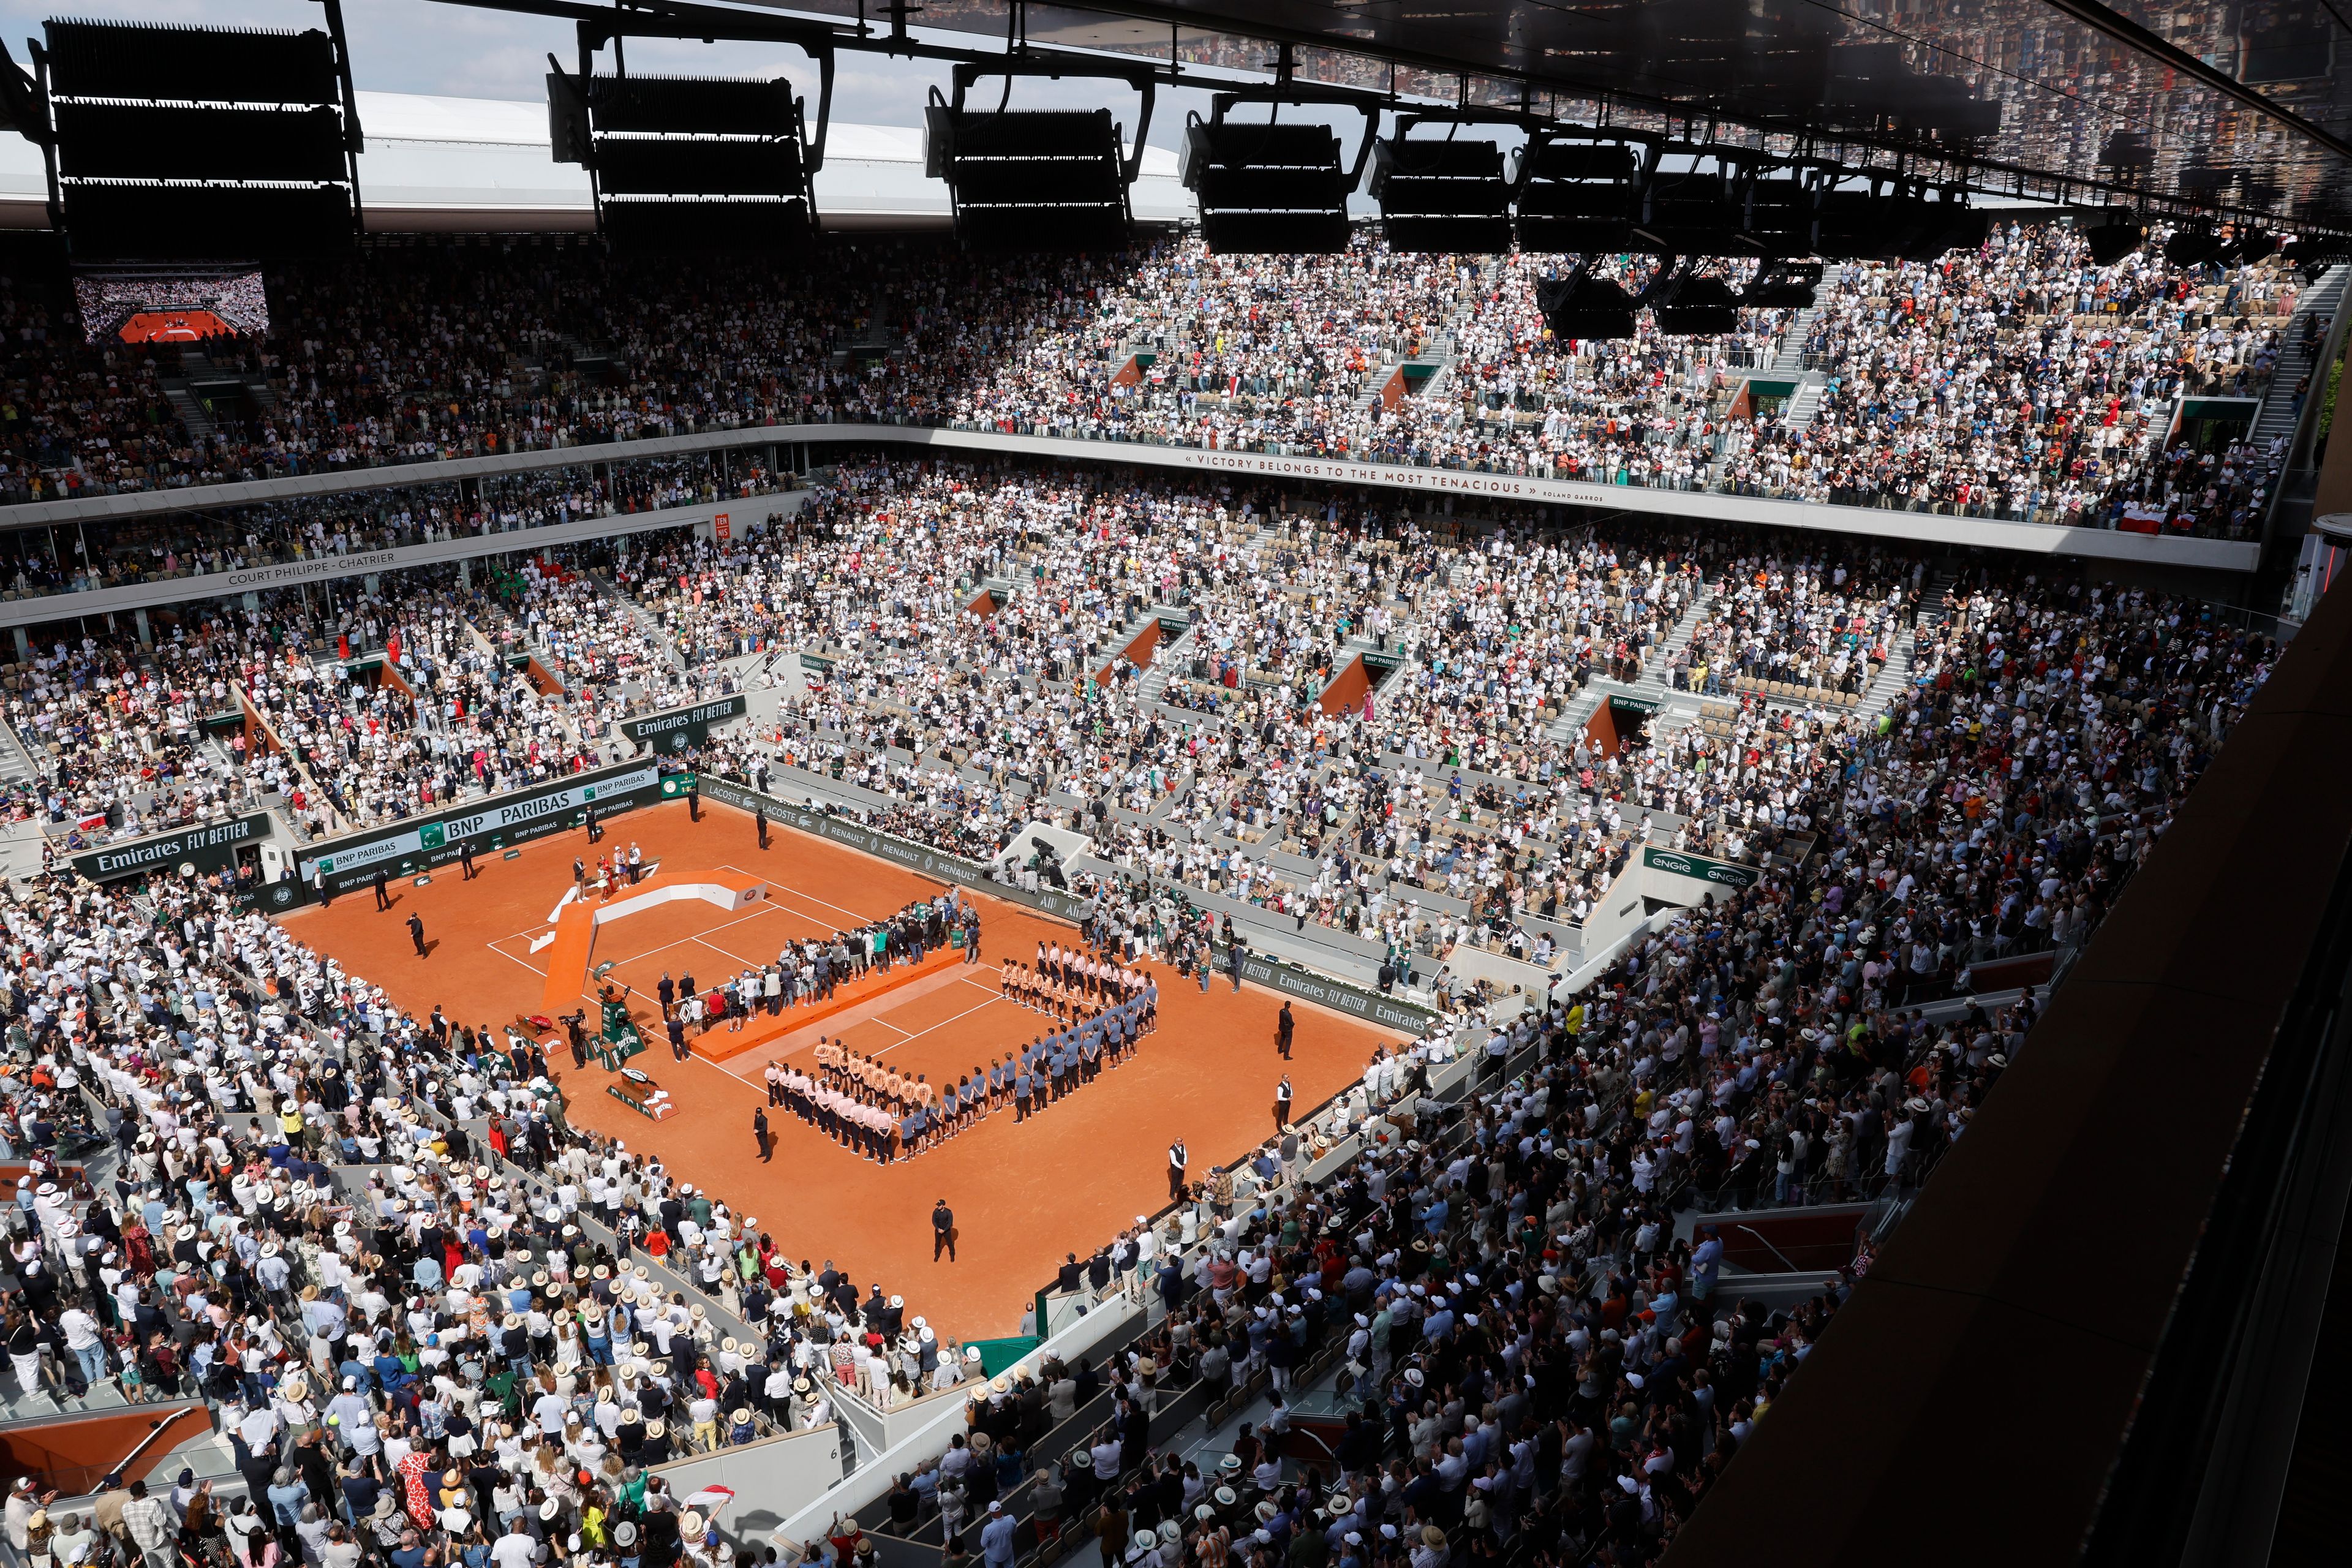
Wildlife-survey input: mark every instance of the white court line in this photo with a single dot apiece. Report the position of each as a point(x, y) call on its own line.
point(792, 900)
point(942, 1023)
point(962, 979)
point(741, 870)
point(752, 963)
point(810, 898)
point(699, 936)
point(502, 952)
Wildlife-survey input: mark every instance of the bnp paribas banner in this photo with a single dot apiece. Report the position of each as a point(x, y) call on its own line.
point(488, 825)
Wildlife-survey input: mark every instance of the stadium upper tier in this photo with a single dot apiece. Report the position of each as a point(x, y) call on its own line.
point(2016, 380)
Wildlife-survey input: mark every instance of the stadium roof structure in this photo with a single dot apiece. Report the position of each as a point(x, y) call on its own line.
point(470, 165)
point(2231, 106)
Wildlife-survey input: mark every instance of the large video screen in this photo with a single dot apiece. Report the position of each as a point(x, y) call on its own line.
point(176, 305)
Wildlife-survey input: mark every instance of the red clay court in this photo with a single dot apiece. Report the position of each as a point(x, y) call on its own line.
point(1065, 1180)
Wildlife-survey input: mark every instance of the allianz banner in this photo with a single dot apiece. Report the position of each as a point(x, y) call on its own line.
point(1326, 992)
point(678, 728)
point(922, 862)
point(206, 849)
point(436, 839)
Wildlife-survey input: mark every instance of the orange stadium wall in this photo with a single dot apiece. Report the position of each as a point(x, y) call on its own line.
point(73, 1455)
point(983, 606)
point(1393, 389)
point(258, 736)
point(1743, 406)
point(1802, 1238)
point(1146, 643)
point(1347, 688)
point(541, 681)
point(1602, 730)
point(1137, 653)
point(10, 1170)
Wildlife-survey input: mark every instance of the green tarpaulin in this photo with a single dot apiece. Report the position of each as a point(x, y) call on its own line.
point(996, 1355)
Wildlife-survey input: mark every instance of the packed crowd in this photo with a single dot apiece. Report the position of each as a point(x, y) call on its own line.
point(1527, 1343)
point(2019, 379)
point(1223, 753)
point(1529, 1356)
point(2027, 381)
point(355, 704)
point(441, 716)
point(122, 552)
point(114, 746)
point(977, 626)
point(1760, 1048)
point(493, 1342)
point(607, 649)
point(1826, 627)
point(1528, 1347)
point(1468, 807)
point(539, 1311)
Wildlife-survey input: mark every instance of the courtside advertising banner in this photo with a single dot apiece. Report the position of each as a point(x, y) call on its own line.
point(1701, 868)
point(487, 825)
point(678, 728)
point(187, 849)
point(1337, 994)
